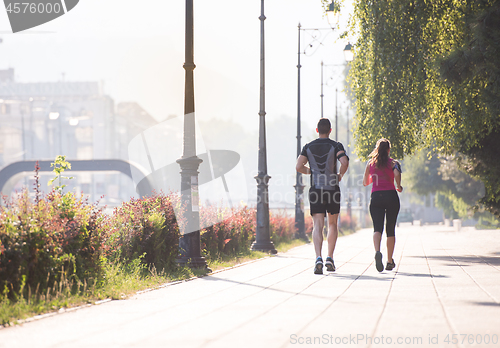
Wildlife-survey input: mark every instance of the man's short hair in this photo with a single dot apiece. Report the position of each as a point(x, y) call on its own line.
point(324, 126)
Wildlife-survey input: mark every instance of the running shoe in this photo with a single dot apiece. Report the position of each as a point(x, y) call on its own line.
point(390, 265)
point(318, 267)
point(330, 266)
point(378, 261)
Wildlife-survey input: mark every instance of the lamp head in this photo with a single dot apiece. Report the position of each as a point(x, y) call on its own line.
point(333, 13)
point(348, 53)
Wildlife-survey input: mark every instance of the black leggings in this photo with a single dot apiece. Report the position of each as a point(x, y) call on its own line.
point(384, 204)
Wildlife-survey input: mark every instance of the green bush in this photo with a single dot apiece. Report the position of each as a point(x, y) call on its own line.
point(230, 236)
point(282, 227)
point(54, 238)
point(144, 226)
point(61, 238)
point(236, 232)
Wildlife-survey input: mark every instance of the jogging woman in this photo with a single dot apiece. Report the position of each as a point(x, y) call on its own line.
point(382, 171)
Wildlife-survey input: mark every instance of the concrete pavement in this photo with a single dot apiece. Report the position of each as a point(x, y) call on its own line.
point(444, 292)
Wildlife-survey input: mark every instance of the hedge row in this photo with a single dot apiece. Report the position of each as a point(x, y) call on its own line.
point(63, 236)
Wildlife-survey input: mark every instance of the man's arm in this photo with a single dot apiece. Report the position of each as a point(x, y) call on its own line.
point(344, 164)
point(301, 165)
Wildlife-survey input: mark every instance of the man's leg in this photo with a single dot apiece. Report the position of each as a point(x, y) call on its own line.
point(317, 232)
point(333, 233)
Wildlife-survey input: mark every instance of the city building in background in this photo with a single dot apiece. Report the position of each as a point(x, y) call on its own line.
point(39, 121)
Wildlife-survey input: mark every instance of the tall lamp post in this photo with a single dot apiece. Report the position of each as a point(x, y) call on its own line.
point(332, 11)
point(349, 57)
point(336, 97)
point(349, 195)
point(262, 234)
point(189, 242)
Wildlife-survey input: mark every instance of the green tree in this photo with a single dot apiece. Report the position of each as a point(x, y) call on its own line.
point(427, 172)
point(426, 75)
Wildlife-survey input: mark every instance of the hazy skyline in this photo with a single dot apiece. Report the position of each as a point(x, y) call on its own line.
point(137, 51)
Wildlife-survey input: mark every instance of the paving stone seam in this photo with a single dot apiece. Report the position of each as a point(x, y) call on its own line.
point(374, 332)
point(445, 312)
point(269, 309)
point(329, 305)
point(470, 276)
point(194, 278)
point(226, 304)
point(486, 262)
point(280, 303)
point(256, 293)
point(161, 286)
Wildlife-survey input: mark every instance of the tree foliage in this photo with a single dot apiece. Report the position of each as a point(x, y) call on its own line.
point(427, 74)
point(430, 173)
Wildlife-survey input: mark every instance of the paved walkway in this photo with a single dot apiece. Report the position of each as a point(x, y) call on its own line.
point(444, 292)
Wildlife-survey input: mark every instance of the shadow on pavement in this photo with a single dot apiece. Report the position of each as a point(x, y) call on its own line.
point(386, 276)
point(422, 275)
point(492, 304)
point(465, 260)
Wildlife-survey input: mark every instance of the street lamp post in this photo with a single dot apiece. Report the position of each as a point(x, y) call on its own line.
point(349, 57)
point(322, 95)
point(336, 97)
point(336, 116)
point(262, 234)
point(189, 242)
point(349, 195)
point(299, 185)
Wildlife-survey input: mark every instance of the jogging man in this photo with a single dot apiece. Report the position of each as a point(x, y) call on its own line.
point(324, 194)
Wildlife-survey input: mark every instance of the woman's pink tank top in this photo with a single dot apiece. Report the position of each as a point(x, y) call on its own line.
point(383, 177)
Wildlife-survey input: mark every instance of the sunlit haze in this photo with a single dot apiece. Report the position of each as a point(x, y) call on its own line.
point(137, 50)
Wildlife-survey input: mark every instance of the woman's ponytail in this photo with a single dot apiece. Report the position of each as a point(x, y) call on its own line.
point(380, 155)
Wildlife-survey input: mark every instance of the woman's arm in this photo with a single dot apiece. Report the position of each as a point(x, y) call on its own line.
point(367, 179)
point(301, 165)
point(397, 175)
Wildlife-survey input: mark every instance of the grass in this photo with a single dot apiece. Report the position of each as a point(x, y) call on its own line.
point(120, 281)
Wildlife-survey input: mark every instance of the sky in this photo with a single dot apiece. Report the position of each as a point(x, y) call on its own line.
point(136, 48)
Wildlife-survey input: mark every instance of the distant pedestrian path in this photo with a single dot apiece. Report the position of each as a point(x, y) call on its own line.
point(444, 292)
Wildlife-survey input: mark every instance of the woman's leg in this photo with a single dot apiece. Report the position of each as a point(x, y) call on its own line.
point(377, 213)
point(377, 238)
point(391, 242)
point(392, 216)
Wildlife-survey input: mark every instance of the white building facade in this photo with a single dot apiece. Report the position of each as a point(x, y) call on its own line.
point(39, 121)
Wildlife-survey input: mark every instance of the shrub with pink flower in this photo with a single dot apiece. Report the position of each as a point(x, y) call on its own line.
point(57, 236)
point(145, 226)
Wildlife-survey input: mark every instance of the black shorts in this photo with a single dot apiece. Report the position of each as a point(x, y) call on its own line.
point(322, 201)
point(384, 205)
